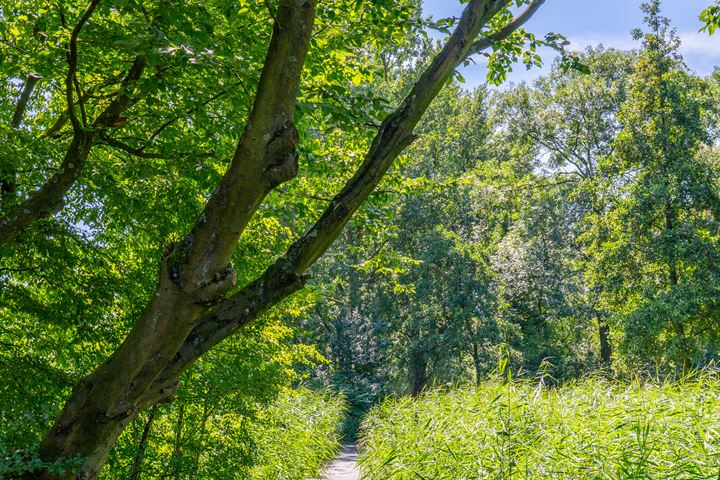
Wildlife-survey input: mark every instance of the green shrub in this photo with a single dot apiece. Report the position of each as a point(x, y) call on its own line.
point(593, 428)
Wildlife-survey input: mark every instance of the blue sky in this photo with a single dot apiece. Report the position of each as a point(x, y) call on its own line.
point(590, 22)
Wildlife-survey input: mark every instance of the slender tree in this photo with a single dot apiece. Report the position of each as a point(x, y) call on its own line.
point(659, 257)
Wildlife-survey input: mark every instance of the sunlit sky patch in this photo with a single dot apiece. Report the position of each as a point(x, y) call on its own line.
point(593, 22)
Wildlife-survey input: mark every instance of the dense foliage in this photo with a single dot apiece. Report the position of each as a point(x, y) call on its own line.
point(289, 438)
point(567, 225)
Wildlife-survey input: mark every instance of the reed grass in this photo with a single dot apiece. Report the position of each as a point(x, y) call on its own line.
point(298, 435)
point(591, 429)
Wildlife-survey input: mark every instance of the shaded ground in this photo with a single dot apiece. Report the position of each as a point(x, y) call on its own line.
point(344, 466)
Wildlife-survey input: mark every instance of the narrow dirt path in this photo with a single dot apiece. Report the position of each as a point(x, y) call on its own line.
point(344, 466)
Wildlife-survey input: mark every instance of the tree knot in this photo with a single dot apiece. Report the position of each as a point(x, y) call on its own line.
point(214, 290)
point(281, 155)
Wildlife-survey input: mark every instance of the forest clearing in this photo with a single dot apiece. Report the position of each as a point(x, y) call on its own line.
point(359, 239)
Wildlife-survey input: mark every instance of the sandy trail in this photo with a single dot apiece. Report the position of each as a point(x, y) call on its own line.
point(344, 466)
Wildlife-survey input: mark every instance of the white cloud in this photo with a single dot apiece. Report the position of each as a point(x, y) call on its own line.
point(693, 43)
point(696, 43)
point(701, 53)
point(700, 50)
point(623, 42)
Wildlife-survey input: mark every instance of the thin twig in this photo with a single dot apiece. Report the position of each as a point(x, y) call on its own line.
point(72, 65)
point(507, 30)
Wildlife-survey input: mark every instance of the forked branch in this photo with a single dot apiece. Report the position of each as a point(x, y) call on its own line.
point(520, 20)
point(287, 274)
point(48, 199)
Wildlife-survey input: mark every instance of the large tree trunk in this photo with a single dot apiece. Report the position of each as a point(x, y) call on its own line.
point(190, 312)
point(195, 274)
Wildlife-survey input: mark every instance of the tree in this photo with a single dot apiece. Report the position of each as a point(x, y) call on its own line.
point(711, 18)
point(567, 123)
point(411, 302)
point(195, 303)
point(447, 328)
point(427, 292)
point(658, 260)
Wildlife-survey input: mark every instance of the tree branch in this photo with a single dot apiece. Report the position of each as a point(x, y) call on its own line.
point(488, 41)
point(8, 173)
point(137, 152)
point(287, 274)
point(110, 117)
point(165, 125)
point(265, 155)
point(72, 65)
point(49, 198)
point(21, 105)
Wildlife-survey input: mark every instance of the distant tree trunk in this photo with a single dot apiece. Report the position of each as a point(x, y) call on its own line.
point(603, 327)
point(605, 347)
point(674, 281)
point(177, 453)
point(418, 372)
point(475, 352)
point(476, 363)
point(140, 455)
point(201, 439)
point(673, 277)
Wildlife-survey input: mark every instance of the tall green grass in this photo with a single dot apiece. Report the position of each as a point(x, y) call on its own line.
point(592, 429)
point(297, 436)
point(291, 438)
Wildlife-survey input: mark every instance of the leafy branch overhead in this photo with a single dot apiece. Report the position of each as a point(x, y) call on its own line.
point(49, 197)
point(511, 43)
point(711, 19)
